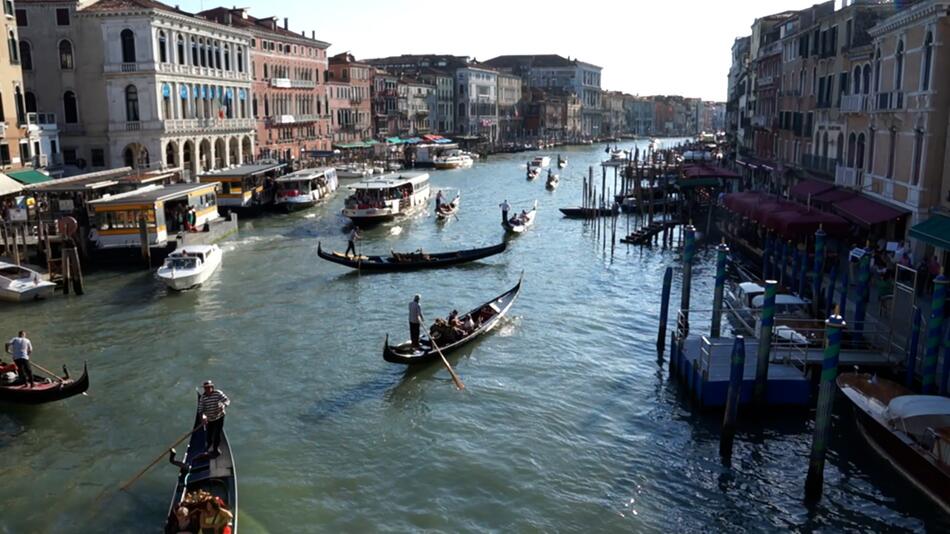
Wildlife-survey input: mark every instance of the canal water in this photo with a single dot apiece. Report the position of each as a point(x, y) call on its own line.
point(568, 422)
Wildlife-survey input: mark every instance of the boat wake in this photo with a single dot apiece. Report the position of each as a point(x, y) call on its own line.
point(396, 230)
point(508, 326)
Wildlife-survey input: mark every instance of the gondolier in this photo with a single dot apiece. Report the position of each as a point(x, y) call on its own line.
point(505, 208)
point(21, 348)
point(211, 404)
point(415, 320)
point(438, 200)
point(351, 244)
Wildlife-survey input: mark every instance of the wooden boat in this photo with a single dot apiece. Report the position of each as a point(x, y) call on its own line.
point(410, 261)
point(447, 211)
point(42, 392)
point(552, 182)
point(200, 472)
point(532, 172)
point(518, 224)
point(486, 317)
point(586, 213)
point(561, 163)
point(910, 431)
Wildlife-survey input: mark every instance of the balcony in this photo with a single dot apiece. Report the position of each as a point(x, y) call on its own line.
point(819, 164)
point(287, 83)
point(216, 125)
point(890, 101)
point(111, 68)
point(133, 126)
point(848, 177)
point(45, 122)
point(204, 72)
point(854, 104)
point(764, 81)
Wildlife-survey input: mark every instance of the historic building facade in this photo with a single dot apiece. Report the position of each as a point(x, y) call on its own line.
point(349, 91)
point(476, 97)
point(14, 143)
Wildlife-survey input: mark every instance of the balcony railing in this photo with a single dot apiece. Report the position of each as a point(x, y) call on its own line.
point(890, 101)
point(848, 177)
point(207, 72)
point(191, 125)
point(287, 83)
point(854, 104)
point(819, 164)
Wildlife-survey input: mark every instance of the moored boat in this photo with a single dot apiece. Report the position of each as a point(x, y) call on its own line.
point(190, 266)
point(305, 188)
point(353, 170)
point(44, 390)
point(22, 284)
point(410, 261)
point(522, 221)
point(585, 213)
point(203, 476)
point(383, 199)
point(912, 432)
point(484, 318)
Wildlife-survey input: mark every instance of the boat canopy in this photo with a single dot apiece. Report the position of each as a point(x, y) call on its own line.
point(915, 414)
point(392, 181)
point(780, 300)
point(304, 175)
point(751, 288)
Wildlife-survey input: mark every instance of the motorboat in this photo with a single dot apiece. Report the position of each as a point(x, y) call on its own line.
point(22, 284)
point(912, 432)
point(189, 266)
point(453, 159)
point(619, 155)
point(353, 170)
point(305, 188)
point(541, 162)
point(382, 199)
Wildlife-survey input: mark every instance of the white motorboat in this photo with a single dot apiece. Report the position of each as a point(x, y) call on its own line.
point(541, 162)
point(521, 222)
point(189, 266)
point(305, 188)
point(453, 159)
point(618, 155)
point(353, 170)
point(21, 284)
point(382, 199)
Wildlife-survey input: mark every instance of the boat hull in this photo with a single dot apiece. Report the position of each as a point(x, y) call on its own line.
point(438, 260)
point(45, 393)
point(39, 292)
point(180, 282)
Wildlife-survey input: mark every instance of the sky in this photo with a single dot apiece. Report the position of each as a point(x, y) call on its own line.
point(645, 47)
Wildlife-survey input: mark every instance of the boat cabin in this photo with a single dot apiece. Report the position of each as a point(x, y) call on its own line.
point(306, 182)
point(785, 305)
point(245, 186)
point(166, 210)
point(378, 191)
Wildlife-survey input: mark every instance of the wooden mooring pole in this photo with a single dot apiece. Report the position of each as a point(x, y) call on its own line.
point(664, 311)
point(826, 398)
point(934, 331)
point(689, 250)
point(728, 434)
point(763, 355)
point(722, 252)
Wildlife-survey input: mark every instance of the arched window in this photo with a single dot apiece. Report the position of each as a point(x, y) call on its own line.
point(70, 109)
point(131, 104)
point(30, 102)
point(877, 71)
point(194, 52)
point(859, 156)
point(167, 101)
point(856, 89)
point(170, 154)
point(872, 141)
point(839, 149)
point(162, 47)
point(128, 46)
point(227, 57)
point(181, 50)
point(65, 55)
point(928, 61)
point(918, 154)
point(866, 79)
point(240, 59)
point(14, 48)
point(824, 145)
point(204, 52)
point(852, 142)
point(128, 157)
point(26, 55)
point(18, 101)
point(891, 153)
point(899, 67)
point(217, 55)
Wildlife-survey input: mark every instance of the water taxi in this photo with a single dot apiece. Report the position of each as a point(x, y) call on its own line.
point(189, 266)
point(305, 188)
point(20, 284)
point(353, 170)
point(387, 197)
point(541, 162)
point(453, 159)
point(243, 187)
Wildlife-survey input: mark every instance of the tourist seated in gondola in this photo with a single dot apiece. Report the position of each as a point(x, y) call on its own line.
point(8, 373)
point(185, 519)
point(468, 324)
point(215, 518)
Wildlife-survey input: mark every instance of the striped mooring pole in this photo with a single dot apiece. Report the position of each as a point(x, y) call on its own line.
point(819, 269)
point(763, 355)
point(910, 353)
point(830, 297)
point(689, 250)
point(934, 331)
point(728, 434)
point(722, 252)
point(864, 281)
point(826, 397)
point(843, 297)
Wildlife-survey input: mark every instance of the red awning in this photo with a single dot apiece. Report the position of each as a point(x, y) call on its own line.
point(809, 188)
point(770, 218)
point(796, 225)
point(706, 171)
point(867, 212)
point(743, 203)
point(764, 208)
point(432, 138)
point(833, 195)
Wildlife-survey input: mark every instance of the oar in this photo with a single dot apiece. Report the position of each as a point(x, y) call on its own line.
point(45, 370)
point(455, 377)
point(164, 453)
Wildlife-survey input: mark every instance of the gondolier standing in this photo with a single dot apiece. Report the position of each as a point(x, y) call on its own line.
point(212, 403)
point(415, 320)
point(21, 348)
point(505, 208)
point(351, 244)
point(438, 201)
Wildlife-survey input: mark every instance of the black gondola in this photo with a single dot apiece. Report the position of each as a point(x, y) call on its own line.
point(486, 317)
point(410, 261)
point(50, 390)
point(447, 211)
point(200, 472)
point(586, 213)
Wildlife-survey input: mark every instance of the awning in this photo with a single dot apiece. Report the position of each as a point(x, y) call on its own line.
point(935, 231)
point(809, 188)
point(798, 224)
point(831, 196)
point(867, 212)
point(692, 172)
point(432, 138)
point(29, 176)
point(764, 208)
point(443, 141)
point(743, 203)
point(9, 186)
point(394, 140)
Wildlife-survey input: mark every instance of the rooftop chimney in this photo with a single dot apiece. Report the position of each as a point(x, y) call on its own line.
point(313, 34)
point(286, 24)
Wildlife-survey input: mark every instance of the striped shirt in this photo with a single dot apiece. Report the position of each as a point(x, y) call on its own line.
point(210, 404)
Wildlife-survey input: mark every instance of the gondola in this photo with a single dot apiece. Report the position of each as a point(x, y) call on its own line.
point(410, 261)
point(447, 211)
point(200, 472)
point(486, 316)
point(586, 213)
point(518, 224)
point(50, 390)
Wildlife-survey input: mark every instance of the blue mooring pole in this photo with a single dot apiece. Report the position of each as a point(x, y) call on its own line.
point(830, 297)
point(934, 331)
point(780, 265)
point(722, 253)
point(803, 272)
point(796, 269)
point(689, 250)
point(826, 397)
point(766, 256)
point(767, 322)
point(819, 270)
point(664, 310)
point(910, 359)
point(728, 434)
point(843, 297)
point(945, 374)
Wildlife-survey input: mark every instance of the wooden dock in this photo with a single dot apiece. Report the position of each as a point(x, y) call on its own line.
point(645, 235)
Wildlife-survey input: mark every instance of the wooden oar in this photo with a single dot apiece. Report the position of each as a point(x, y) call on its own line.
point(164, 453)
point(45, 370)
point(455, 377)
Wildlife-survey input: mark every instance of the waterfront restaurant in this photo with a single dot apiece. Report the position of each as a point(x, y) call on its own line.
point(245, 186)
point(116, 220)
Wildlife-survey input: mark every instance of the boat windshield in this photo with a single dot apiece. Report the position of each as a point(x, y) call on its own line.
point(13, 272)
point(180, 262)
point(378, 196)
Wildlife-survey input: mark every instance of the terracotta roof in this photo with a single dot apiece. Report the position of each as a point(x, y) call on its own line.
point(124, 5)
point(239, 18)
